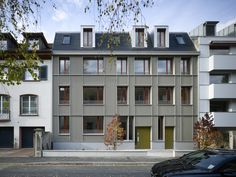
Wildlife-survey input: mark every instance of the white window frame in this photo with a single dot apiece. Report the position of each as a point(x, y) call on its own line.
point(29, 106)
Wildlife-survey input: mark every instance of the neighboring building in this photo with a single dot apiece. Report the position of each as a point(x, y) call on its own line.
point(149, 79)
point(217, 75)
point(26, 106)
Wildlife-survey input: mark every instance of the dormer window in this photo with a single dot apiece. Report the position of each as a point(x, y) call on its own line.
point(66, 40)
point(3, 44)
point(161, 39)
point(161, 36)
point(33, 44)
point(210, 30)
point(180, 39)
point(87, 37)
point(139, 37)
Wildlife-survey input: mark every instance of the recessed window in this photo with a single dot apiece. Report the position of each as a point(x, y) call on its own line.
point(127, 125)
point(92, 124)
point(180, 39)
point(142, 66)
point(64, 67)
point(40, 74)
point(4, 104)
point(185, 66)
point(186, 95)
point(121, 66)
point(93, 66)
point(165, 66)
point(139, 37)
point(64, 95)
point(64, 125)
point(66, 40)
point(93, 95)
point(219, 78)
point(28, 105)
point(121, 95)
point(43, 72)
point(142, 95)
point(165, 95)
point(161, 37)
point(210, 30)
point(87, 37)
point(219, 106)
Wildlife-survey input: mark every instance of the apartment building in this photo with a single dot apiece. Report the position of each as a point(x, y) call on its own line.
point(26, 106)
point(217, 75)
point(149, 78)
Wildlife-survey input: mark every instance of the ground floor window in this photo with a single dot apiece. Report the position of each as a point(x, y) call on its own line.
point(64, 125)
point(127, 124)
point(93, 124)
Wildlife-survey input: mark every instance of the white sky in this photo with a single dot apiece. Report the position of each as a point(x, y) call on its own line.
point(179, 15)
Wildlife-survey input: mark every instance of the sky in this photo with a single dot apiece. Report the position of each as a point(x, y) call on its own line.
point(179, 15)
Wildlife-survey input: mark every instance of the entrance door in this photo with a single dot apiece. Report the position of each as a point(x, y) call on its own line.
point(169, 137)
point(6, 137)
point(142, 138)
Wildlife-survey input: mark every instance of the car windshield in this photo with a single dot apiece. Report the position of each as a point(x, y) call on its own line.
point(193, 157)
point(209, 163)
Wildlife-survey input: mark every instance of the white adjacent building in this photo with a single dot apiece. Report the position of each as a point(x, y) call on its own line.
point(26, 106)
point(217, 75)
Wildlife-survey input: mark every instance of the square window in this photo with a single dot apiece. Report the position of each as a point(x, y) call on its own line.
point(28, 105)
point(165, 66)
point(92, 124)
point(121, 95)
point(142, 95)
point(66, 40)
point(93, 95)
point(93, 66)
point(165, 95)
point(142, 66)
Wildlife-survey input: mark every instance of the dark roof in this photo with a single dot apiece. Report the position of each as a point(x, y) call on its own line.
point(8, 36)
point(125, 42)
point(40, 35)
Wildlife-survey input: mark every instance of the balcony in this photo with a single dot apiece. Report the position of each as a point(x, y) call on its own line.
point(5, 117)
point(224, 119)
point(222, 91)
point(222, 62)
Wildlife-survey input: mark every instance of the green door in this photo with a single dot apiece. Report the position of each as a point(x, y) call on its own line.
point(169, 137)
point(142, 138)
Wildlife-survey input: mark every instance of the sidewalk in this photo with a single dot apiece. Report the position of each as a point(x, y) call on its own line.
point(24, 157)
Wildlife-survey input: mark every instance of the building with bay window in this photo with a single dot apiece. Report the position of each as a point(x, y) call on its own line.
point(149, 78)
point(27, 106)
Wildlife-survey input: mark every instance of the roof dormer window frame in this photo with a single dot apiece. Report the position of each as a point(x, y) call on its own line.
point(66, 40)
point(137, 37)
point(161, 41)
point(33, 44)
point(87, 39)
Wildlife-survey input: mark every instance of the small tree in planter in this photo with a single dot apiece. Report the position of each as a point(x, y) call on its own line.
point(205, 134)
point(114, 133)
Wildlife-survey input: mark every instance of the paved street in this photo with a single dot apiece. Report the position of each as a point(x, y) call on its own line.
point(74, 171)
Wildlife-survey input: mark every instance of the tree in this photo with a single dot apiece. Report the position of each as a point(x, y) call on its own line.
point(16, 17)
point(114, 133)
point(205, 134)
point(116, 14)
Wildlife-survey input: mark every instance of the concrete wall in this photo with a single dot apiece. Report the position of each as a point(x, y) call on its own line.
point(177, 115)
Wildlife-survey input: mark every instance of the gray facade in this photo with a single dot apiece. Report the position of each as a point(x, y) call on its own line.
point(140, 116)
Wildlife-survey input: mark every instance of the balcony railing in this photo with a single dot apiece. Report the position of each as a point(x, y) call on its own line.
point(222, 62)
point(224, 119)
point(222, 91)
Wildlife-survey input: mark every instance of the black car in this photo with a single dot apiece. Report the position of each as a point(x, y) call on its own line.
point(218, 165)
point(185, 162)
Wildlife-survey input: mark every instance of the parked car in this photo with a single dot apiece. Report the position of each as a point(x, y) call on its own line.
point(187, 161)
point(218, 165)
